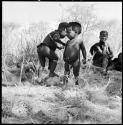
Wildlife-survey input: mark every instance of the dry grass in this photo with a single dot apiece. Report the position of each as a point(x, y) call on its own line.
point(96, 100)
point(89, 103)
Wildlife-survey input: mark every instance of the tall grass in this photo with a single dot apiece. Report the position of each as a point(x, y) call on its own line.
point(91, 102)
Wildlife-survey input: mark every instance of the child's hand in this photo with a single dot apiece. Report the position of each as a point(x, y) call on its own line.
point(84, 61)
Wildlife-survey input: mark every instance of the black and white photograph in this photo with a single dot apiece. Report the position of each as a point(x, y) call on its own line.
point(61, 62)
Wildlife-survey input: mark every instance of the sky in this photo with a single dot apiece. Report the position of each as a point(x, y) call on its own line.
point(25, 13)
point(29, 12)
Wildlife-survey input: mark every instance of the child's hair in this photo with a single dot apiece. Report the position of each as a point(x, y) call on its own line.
point(104, 33)
point(62, 26)
point(75, 26)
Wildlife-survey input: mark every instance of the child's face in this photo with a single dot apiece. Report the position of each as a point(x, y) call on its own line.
point(63, 33)
point(70, 33)
point(103, 38)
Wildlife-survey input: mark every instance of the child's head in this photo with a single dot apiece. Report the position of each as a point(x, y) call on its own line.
point(103, 36)
point(74, 28)
point(62, 28)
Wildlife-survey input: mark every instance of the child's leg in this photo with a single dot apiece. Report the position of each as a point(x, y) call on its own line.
point(66, 73)
point(76, 68)
point(105, 62)
point(41, 56)
point(50, 63)
point(52, 69)
point(45, 51)
point(97, 59)
point(67, 69)
point(111, 66)
point(53, 58)
point(42, 60)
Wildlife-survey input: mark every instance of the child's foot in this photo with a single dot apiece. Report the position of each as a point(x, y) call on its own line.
point(76, 83)
point(105, 72)
point(53, 75)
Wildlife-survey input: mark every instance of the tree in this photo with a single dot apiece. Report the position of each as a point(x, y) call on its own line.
point(84, 15)
point(91, 26)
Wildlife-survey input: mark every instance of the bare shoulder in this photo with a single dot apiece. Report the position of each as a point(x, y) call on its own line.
point(95, 45)
point(80, 41)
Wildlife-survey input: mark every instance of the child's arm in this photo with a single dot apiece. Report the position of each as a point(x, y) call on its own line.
point(59, 47)
point(110, 51)
point(95, 49)
point(56, 38)
point(92, 49)
point(82, 47)
point(59, 41)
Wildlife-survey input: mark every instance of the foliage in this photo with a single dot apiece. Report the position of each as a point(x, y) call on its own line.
point(95, 101)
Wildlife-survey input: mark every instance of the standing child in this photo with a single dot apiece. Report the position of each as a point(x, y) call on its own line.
point(48, 47)
point(72, 50)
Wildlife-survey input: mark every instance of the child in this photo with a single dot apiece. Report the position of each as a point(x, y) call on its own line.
point(48, 47)
point(72, 50)
point(101, 51)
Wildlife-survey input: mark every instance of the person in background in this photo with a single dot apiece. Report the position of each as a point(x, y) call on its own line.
point(116, 63)
point(102, 52)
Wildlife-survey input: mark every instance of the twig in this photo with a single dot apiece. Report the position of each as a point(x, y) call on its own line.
point(21, 71)
point(22, 62)
point(70, 118)
point(32, 120)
